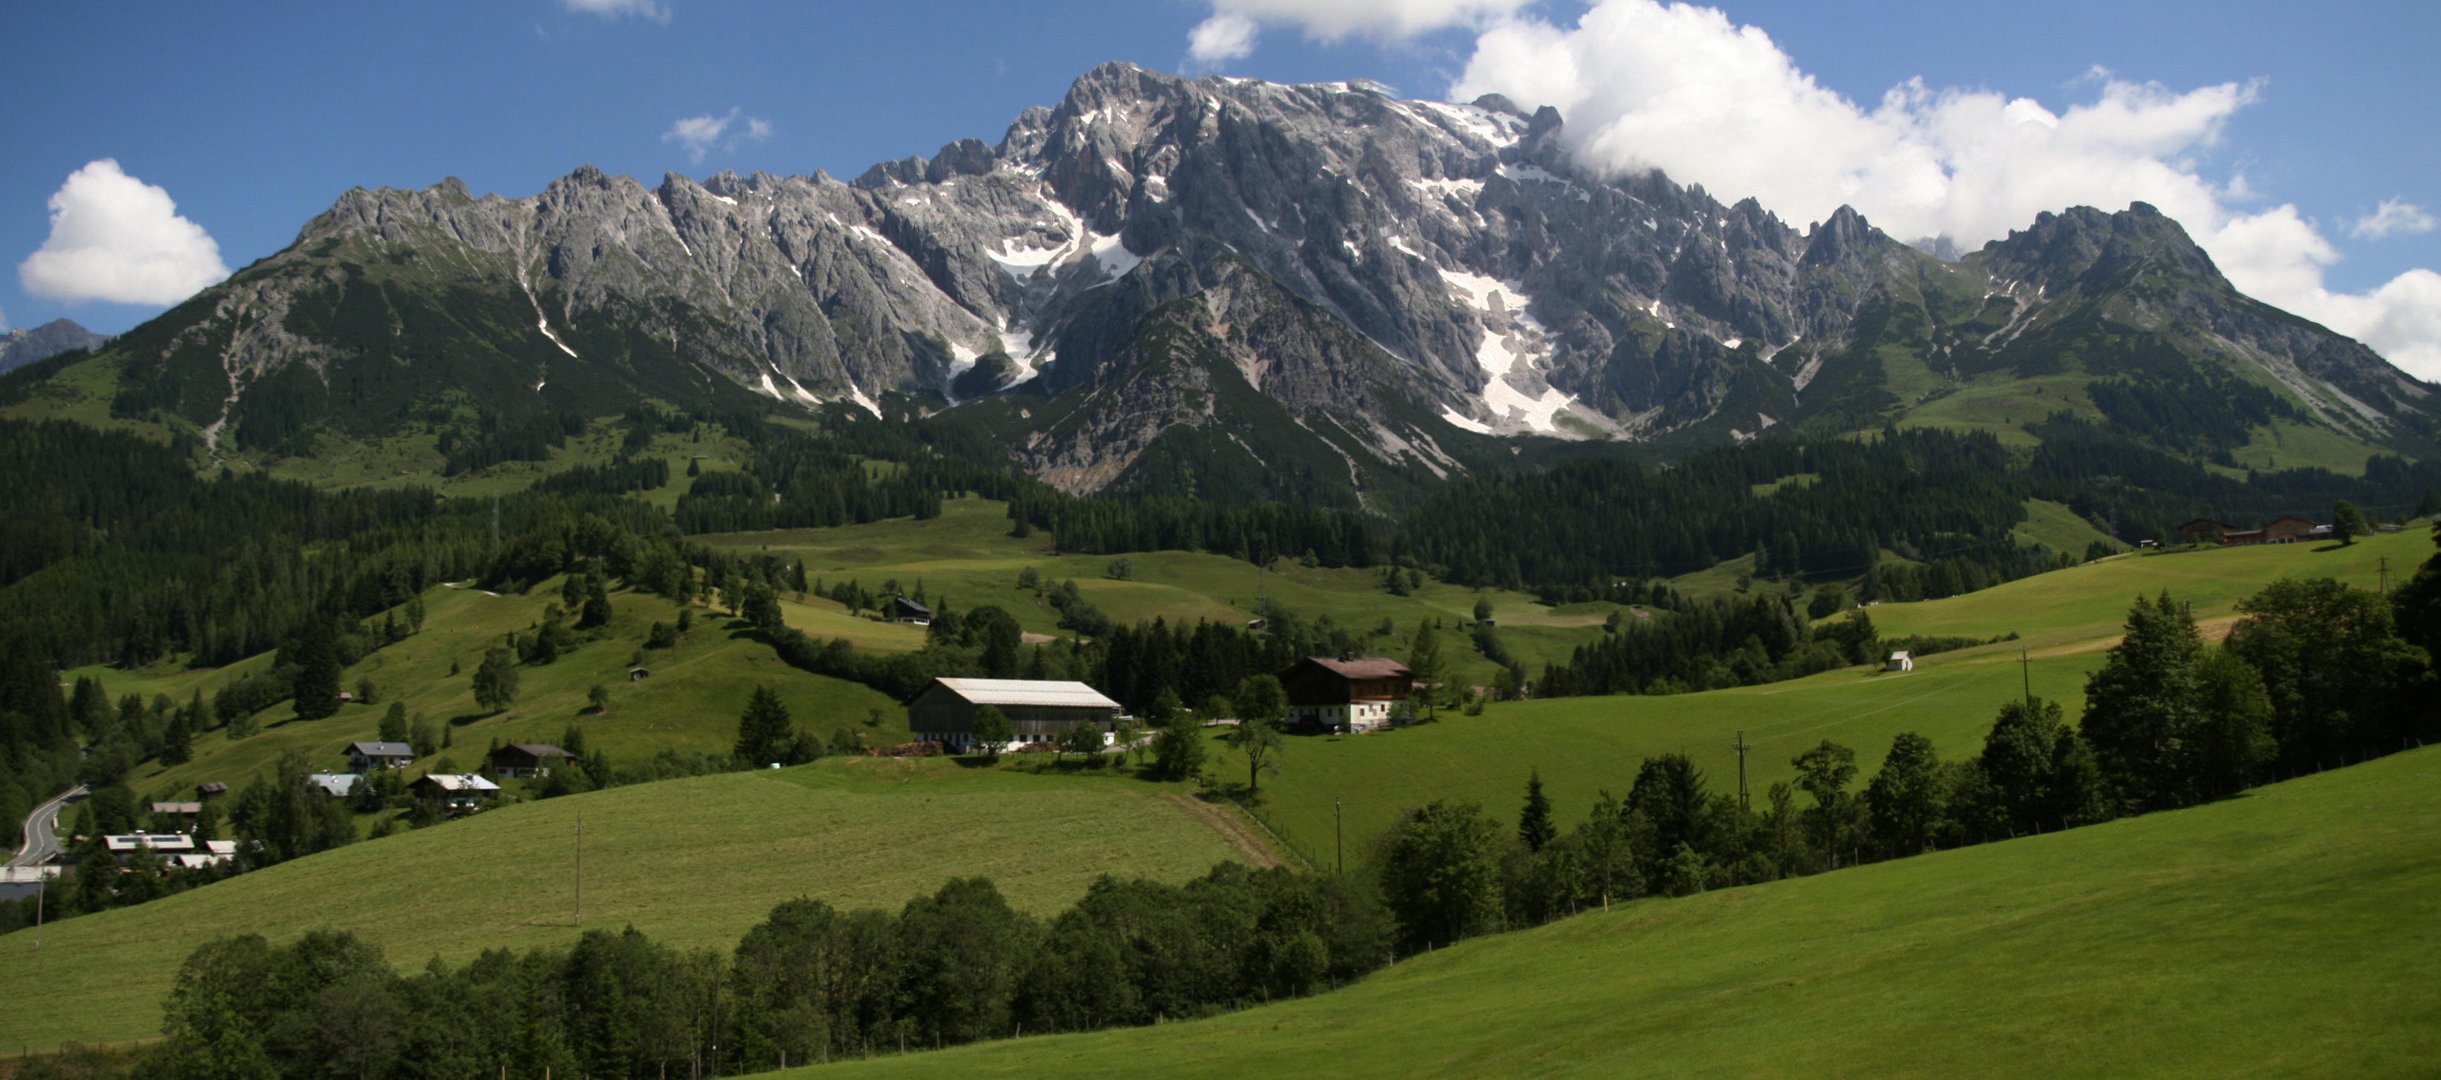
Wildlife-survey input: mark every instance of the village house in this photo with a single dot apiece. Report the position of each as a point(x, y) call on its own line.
point(210, 790)
point(364, 757)
point(214, 853)
point(458, 793)
point(335, 785)
point(520, 760)
point(2287, 530)
point(166, 845)
point(1357, 694)
point(184, 813)
point(1900, 661)
point(1037, 710)
point(903, 610)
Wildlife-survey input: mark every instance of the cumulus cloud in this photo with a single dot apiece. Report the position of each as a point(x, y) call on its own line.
point(701, 135)
point(1230, 32)
point(117, 238)
point(1682, 89)
point(620, 9)
point(2395, 216)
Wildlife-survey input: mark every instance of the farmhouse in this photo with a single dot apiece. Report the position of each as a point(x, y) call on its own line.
point(167, 845)
point(1037, 711)
point(367, 756)
point(526, 759)
point(908, 611)
point(172, 810)
point(2206, 531)
point(1325, 694)
point(210, 790)
point(335, 785)
point(1900, 661)
point(457, 793)
point(2287, 530)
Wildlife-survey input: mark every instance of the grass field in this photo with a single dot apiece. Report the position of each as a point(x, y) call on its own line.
point(2091, 601)
point(1583, 745)
point(2277, 934)
point(691, 862)
point(690, 702)
point(967, 557)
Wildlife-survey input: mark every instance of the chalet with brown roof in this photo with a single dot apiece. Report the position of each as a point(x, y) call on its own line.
point(518, 760)
point(1358, 694)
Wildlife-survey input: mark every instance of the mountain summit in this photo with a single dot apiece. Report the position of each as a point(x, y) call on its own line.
point(1133, 282)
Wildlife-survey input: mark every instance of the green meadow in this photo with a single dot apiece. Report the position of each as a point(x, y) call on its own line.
point(2282, 933)
point(689, 703)
point(691, 862)
point(967, 558)
point(1584, 745)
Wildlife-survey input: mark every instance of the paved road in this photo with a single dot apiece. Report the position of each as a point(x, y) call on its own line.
point(41, 834)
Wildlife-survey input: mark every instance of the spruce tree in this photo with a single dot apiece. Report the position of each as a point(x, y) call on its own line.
point(2143, 702)
point(763, 730)
point(317, 686)
point(1424, 659)
point(1534, 827)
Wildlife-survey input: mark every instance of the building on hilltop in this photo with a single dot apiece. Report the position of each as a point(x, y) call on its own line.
point(518, 760)
point(1037, 710)
point(903, 610)
point(1900, 661)
point(1359, 694)
point(367, 756)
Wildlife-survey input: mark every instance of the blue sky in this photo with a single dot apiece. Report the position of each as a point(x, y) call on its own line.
point(253, 118)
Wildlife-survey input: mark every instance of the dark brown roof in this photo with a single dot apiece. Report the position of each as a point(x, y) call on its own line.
point(1370, 667)
point(539, 750)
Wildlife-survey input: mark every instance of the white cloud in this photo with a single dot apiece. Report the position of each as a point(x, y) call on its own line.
point(703, 134)
point(1220, 39)
point(117, 238)
point(1681, 89)
point(2395, 216)
point(1229, 34)
point(620, 9)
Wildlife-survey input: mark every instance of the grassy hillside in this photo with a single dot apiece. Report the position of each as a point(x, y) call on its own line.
point(968, 557)
point(690, 702)
point(2270, 935)
point(2091, 601)
point(691, 862)
point(1582, 745)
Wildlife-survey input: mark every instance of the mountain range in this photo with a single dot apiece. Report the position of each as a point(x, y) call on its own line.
point(21, 347)
point(1225, 286)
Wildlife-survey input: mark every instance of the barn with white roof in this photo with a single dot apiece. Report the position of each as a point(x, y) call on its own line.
point(1037, 710)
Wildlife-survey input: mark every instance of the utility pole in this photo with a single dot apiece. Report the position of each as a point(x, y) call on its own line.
point(1339, 849)
point(1743, 800)
point(41, 886)
point(580, 869)
point(2025, 666)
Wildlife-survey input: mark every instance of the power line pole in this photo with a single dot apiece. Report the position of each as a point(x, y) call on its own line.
point(580, 869)
point(1339, 849)
point(2025, 666)
point(1743, 800)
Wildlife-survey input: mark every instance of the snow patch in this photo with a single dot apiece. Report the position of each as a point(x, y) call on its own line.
point(770, 387)
point(722, 199)
point(1024, 262)
point(1514, 343)
point(857, 395)
point(1399, 243)
point(1445, 187)
point(803, 394)
point(1455, 420)
point(1111, 254)
point(1498, 129)
point(543, 322)
point(1733, 343)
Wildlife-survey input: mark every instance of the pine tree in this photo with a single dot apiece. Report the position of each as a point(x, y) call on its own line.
point(317, 686)
point(763, 730)
point(2142, 702)
point(1534, 827)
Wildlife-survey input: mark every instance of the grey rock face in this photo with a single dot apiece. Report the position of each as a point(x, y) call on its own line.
point(1390, 268)
point(21, 347)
